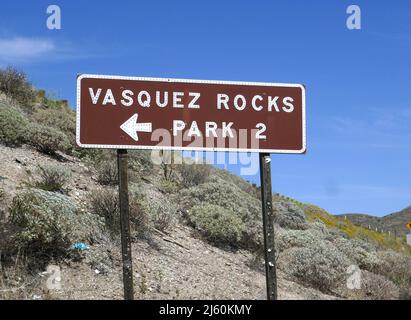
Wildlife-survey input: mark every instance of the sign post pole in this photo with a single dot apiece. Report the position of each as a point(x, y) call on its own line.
point(122, 163)
point(268, 225)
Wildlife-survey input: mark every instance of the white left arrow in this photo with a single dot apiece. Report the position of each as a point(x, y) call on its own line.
point(131, 127)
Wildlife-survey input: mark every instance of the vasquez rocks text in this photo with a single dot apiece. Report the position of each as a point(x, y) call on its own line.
point(192, 100)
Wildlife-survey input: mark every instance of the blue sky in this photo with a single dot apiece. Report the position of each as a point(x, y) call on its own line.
point(358, 82)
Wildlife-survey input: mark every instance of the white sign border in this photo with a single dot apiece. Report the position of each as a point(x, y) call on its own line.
point(106, 146)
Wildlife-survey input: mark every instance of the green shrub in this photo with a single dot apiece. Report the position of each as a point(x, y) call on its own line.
point(167, 186)
point(396, 267)
point(159, 209)
point(375, 287)
point(168, 171)
point(14, 84)
point(139, 218)
point(2, 195)
point(239, 182)
point(13, 126)
point(225, 195)
point(228, 196)
point(287, 239)
point(365, 259)
point(52, 220)
point(51, 177)
point(289, 216)
point(60, 119)
point(194, 174)
point(137, 191)
point(161, 216)
point(2, 204)
point(91, 156)
point(161, 212)
point(105, 203)
point(217, 224)
point(321, 266)
point(107, 173)
point(140, 161)
point(47, 140)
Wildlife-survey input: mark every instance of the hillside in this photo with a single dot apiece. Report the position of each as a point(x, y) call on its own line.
point(196, 229)
point(394, 222)
point(172, 265)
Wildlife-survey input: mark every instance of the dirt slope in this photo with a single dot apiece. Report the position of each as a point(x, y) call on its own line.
point(173, 266)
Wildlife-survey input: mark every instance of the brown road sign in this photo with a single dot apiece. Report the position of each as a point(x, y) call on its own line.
point(176, 114)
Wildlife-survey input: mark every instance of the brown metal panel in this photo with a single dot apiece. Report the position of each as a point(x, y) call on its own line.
point(98, 125)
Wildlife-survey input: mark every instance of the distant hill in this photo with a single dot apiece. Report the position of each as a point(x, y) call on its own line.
point(394, 222)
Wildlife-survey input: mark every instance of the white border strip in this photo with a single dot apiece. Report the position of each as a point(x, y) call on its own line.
point(106, 146)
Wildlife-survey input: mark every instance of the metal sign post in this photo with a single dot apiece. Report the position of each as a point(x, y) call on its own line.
point(184, 114)
point(268, 225)
point(122, 163)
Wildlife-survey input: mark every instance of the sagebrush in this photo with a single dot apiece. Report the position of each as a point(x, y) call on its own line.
point(52, 220)
point(47, 140)
point(51, 177)
point(193, 174)
point(13, 126)
point(217, 224)
point(14, 83)
point(107, 173)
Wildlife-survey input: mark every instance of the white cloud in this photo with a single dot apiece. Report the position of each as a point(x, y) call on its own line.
point(18, 49)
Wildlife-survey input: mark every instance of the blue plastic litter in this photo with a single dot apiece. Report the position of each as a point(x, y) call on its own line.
point(80, 246)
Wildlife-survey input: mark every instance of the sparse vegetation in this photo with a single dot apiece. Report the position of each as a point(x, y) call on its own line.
point(156, 210)
point(47, 140)
point(168, 186)
point(140, 162)
point(397, 268)
point(2, 195)
point(161, 212)
point(60, 119)
point(194, 174)
point(382, 240)
point(228, 196)
point(13, 126)
point(14, 84)
point(140, 220)
point(168, 171)
point(289, 216)
point(107, 173)
point(51, 220)
point(313, 247)
point(322, 266)
point(217, 224)
point(365, 258)
point(105, 203)
point(51, 177)
point(168, 165)
point(376, 287)
point(287, 239)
